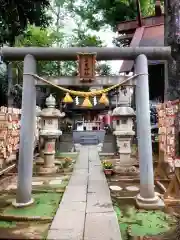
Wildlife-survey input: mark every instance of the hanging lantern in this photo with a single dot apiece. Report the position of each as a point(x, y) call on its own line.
point(68, 98)
point(104, 100)
point(86, 65)
point(86, 102)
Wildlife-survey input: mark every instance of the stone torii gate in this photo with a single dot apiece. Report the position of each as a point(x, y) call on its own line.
point(146, 198)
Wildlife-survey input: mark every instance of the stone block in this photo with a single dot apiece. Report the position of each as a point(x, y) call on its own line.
point(73, 206)
point(98, 203)
point(95, 164)
point(75, 194)
point(102, 226)
point(79, 172)
point(81, 165)
point(78, 181)
point(65, 219)
point(95, 176)
point(67, 225)
point(93, 156)
point(98, 187)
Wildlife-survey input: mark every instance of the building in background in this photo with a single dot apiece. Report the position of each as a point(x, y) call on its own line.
point(146, 32)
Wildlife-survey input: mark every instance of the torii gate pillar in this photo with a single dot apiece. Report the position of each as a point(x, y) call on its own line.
point(28, 118)
point(147, 199)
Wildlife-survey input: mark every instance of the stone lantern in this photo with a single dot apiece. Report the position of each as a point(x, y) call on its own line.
point(50, 132)
point(123, 124)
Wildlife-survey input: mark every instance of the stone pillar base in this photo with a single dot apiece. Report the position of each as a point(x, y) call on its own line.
point(149, 203)
point(21, 205)
point(43, 170)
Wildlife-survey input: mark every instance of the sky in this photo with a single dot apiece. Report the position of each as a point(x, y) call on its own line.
point(107, 37)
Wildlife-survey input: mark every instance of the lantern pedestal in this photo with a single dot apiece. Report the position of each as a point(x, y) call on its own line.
point(49, 154)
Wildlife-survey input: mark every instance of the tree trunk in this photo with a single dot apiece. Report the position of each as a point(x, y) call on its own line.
point(171, 36)
point(10, 85)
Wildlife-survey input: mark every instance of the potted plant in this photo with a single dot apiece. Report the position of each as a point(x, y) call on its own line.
point(108, 167)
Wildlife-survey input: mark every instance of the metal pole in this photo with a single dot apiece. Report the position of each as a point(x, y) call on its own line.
point(70, 54)
point(144, 129)
point(25, 167)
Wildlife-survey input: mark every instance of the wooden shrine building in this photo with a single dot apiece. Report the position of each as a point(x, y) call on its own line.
point(145, 32)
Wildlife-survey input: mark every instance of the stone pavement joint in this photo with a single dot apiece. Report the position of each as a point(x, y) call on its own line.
point(86, 211)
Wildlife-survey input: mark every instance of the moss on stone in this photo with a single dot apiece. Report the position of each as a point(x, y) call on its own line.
point(136, 222)
point(5, 224)
point(45, 205)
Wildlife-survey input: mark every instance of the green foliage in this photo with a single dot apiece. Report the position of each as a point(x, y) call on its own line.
point(3, 81)
point(98, 13)
point(107, 164)
point(81, 38)
point(103, 69)
point(16, 15)
point(40, 37)
point(36, 36)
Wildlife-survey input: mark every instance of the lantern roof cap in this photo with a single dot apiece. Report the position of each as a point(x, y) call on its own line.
point(123, 111)
point(50, 101)
point(51, 111)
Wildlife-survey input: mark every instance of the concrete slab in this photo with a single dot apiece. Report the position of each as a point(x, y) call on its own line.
point(70, 225)
point(97, 203)
point(83, 165)
point(73, 206)
point(97, 174)
point(92, 165)
point(56, 235)
point(98, 187)
point(79, 172)
point(82, 161)
point(78, 181)
point(75, 194)
point(101, 226)
point(86, 211)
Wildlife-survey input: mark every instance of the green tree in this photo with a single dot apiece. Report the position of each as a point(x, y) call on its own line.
point(38, 37)
point(16, 15)
point(98, 13)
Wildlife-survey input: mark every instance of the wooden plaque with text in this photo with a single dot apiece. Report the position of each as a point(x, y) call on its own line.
point(86, 66)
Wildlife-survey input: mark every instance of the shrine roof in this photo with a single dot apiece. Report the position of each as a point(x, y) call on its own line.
point(146, 36)
point(132, 25)
point(153, 36)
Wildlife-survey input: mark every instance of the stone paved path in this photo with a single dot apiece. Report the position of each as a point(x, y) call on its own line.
point(86, 211)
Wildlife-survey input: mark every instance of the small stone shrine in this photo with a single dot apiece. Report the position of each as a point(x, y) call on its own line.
point(50, 132)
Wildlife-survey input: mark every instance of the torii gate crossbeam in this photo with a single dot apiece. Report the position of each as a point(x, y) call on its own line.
point(70, 54)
